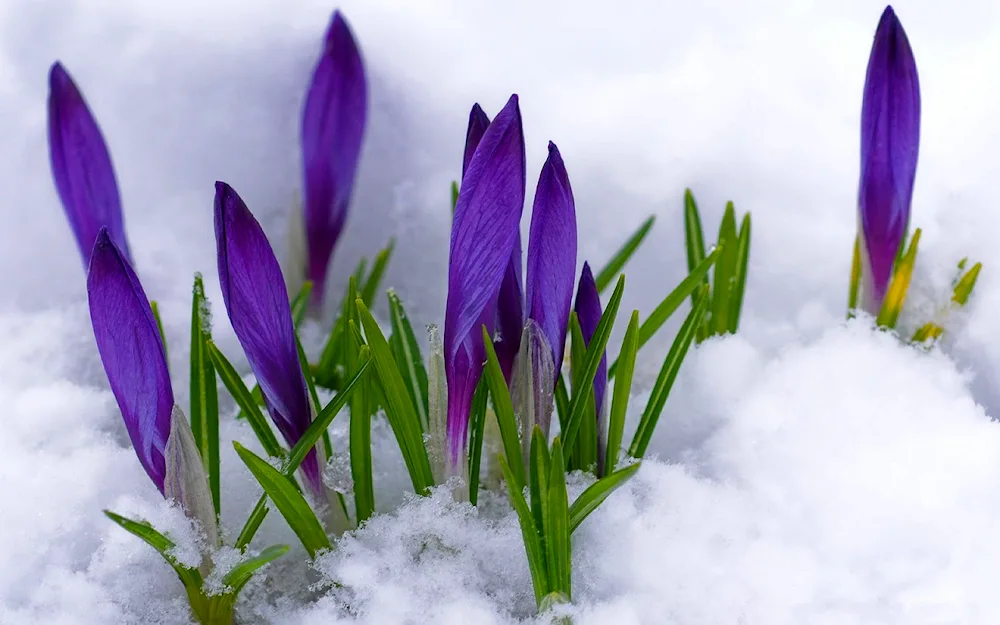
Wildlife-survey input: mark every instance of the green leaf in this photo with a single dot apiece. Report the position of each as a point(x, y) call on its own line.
point(155, 307)
point(504, 409)
point(561, 397)
point(530, 534)
point(313, 395)
point(740, 275)
point(623, 387)
point(892, 305)
point(325, 417)
point(454, 197)
point(190, 577)
point(671, 303)
point(288, 500)
point(596, 493)
point(725, 268)
point(694, 239)
point(668, 373)
point(406, 350)
point(584, 455)
point(399, 409)
point(253, 523)
point(360, 437)
point(598, 342)
point(855, 287)
point(557, 532)
point(378, 271)
point(332, 356)
point(538, 480)
point(614, 267)
point(242, 396)
point(477, 426)
point(204, 394)
point(237, 578)
point(965, 285)
point(300, 303)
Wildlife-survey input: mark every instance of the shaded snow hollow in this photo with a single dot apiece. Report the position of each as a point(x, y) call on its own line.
point(808, 470)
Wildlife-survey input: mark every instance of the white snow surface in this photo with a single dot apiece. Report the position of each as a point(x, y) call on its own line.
point(806, 471)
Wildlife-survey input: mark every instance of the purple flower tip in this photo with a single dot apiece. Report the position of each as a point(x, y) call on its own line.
point(483, 235)
point(890, 140)
point(478, 123)
point(131, 350)
point(254, 293)
point(588, 312)
point(333, 125)
point(81, 167)
point(551, 267)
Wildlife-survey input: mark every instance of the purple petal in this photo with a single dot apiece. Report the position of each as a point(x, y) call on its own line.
point(257, 302)
point(588, 312)
point(510, 312)
point(551, 267)
point(333, 125)
point(483, 235)
point(81, 167)
point(890, 139)
point(478, 123)
point(132, 352)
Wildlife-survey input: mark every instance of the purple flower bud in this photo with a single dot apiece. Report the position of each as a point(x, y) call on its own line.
point(333, 125)
point(257, 303)
point(588, 312)
point(551, 268)
point(510, 302)
point(81, 167)
point(890, 140)
point(483, 235)
point(132, 352)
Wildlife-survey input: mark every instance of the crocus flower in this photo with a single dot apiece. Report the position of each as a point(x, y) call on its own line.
point(483, 236)
point(257, 303)
point(134, 359)
point(510, 302)
point(81, 167)
point(890, 139)
point(333, 124)
point(551, 267)
point(588, 312)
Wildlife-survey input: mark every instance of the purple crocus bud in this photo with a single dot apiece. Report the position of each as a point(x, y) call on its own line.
point(483, 234)
point(333, 125)
point(890, 139)
point(132, 352)
point(588, 312)
point(478, 123)
point(510, 303)
point(551, 267)
point(81, 167)
point(257, 303)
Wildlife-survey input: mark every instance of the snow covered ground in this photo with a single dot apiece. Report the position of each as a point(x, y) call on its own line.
point(810, 470)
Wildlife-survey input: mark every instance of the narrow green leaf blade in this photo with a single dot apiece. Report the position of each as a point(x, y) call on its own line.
point(622, 390)
point(598, 342)
point(477, 426)
point(300, 303)
point(239, 391)
point(204, 407)
point(557, 531)
point(155, 307)
point(538, 480)
point(596, 493)
point(406, 349)
point(288, 500)
point(399, 409)
point(370, 288)
point(504, 409)
point(694, 238)
point(610, 271)
point(665, 380)
point(529, 533)
point(190, 577)
point(725, 267)
point(237, 578)
point(740, 275)
point(584, 455)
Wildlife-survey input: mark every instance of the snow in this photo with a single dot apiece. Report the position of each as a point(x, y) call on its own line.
point(808, 470)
